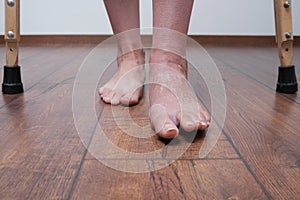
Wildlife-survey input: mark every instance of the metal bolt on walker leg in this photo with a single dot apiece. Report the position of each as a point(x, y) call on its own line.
point(11, 3)
point(10, 34)
point(287, 4)
point(288, 35)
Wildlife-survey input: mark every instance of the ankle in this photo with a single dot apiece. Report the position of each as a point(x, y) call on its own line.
point(169, 59)
point(137, 56)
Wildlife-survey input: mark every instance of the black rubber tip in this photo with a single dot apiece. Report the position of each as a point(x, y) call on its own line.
point(287, 81)
point(12, 83)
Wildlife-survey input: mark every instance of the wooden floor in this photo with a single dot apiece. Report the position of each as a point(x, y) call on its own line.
point(42, 157)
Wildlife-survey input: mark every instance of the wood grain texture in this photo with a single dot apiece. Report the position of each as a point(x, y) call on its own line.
point(213, 179)
point(39, 64)
point(266, 133)
point(262, 126)
point(125, 127)
point(12, 23)
point(220, 40)
point(40, 149)
point(42, 156)
point(283, 21)
point(260, 64)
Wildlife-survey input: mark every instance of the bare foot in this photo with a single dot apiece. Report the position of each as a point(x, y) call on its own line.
point(126, 86)
point(172, 101)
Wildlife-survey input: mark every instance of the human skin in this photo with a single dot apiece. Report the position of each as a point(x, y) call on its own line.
point(172, 101)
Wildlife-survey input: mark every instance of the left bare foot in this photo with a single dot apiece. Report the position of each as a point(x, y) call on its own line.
point(126, 86)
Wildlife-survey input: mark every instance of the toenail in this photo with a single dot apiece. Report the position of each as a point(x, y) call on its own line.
point(170, 133)
point(169, 128)
point(203, 123)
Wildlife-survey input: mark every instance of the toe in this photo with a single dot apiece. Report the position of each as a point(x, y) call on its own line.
point(136, 96)
point(161, 122)
point(187, 121)
point(103, 91)
point(202, 121)
point(190, 120)
point(202, 125)
point(169, 130)
point(116, 99)
point(125, 100)
point(108, 97)
point(204, 118)
point(206, 115)
point(131, 99)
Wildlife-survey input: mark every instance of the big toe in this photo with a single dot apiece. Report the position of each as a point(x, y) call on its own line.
point(162, 123)
point(169, 130)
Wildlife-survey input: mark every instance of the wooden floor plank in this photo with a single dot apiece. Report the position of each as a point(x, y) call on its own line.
point(27, 54)
point(67, 73)
point(37, 65)
point(41, 154)
point(124, 127)
point(261, 64)
point(124, 132)
point(24, 52)
point(265, 131)
point(263, 127)
point(40, 150)
point(40, 67)
point(44, 63)
point(205, 179)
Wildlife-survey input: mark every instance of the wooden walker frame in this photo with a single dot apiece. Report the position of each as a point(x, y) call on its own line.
point(287, 82)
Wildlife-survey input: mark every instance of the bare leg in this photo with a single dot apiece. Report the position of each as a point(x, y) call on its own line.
point(126, 86)
point(172, 100)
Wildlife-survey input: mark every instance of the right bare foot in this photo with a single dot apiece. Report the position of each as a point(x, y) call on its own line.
point(126, 86)
point(172, 101)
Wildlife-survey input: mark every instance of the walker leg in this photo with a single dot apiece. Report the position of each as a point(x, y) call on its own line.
point(287, 81)
point(12, 83)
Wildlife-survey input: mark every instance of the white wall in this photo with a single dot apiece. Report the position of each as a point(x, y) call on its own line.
point(214, 17)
